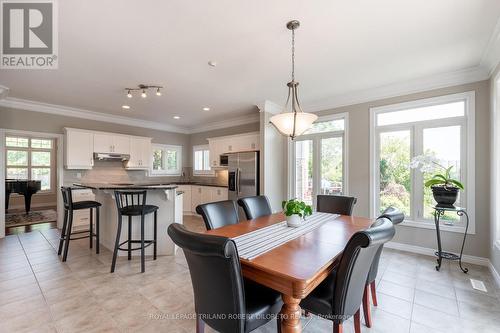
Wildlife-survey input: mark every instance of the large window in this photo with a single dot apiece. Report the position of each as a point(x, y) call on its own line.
point(167, 160)
point(318, 160)
point(30, 158)
point(201, 161)
point(441, 127)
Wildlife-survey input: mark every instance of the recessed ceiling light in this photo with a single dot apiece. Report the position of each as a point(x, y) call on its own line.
point(125, 107)
point(206, 109)
point(176, 117)
point(212, 63)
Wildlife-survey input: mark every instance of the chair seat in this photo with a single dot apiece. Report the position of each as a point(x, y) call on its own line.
point(320, 300)
point(85, 205)
point(135, 210)
point(260, 302)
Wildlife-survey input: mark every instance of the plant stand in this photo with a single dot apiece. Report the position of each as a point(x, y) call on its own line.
point(439, 211)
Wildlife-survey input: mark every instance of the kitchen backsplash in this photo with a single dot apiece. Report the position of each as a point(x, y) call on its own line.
point(114, 172)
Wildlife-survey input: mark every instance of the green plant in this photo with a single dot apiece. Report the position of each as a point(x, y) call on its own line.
point(429, 164)
point(294, 206)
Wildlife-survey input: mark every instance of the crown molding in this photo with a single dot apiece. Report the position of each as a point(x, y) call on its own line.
point(248, 119)
point(491, 54)
point(443, 80)
point(66, 111)
point(270, 107)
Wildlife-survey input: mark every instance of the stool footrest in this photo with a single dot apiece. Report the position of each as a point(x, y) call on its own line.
point(146, 244)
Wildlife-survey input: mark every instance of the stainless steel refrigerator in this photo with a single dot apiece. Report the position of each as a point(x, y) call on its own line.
point(243, 171)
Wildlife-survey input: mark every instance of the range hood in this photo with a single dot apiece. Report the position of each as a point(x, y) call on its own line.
point(111, 157)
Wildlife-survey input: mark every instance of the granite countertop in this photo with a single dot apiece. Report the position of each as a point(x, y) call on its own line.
point(140, 185)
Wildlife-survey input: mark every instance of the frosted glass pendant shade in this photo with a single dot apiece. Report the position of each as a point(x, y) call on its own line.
point(286, 122)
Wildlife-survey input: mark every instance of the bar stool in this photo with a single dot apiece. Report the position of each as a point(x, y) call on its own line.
point(69, 208)
point(133, 203)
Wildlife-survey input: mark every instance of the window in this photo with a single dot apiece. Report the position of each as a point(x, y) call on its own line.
point(201, 161)
point(318, 163)
point(30, 158)
point(167, 160)
point(442, 127)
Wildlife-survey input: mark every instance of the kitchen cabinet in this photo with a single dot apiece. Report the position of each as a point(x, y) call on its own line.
point(140, 153)
point(186, 201)
point(79, 149)
point(232, 144)
point(111, 143)
point(214, 146)
point(195, 197)
point(81, 218)
point(219, 194)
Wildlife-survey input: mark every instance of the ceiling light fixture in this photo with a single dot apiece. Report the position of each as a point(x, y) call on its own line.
point(294, 122)
point(212, 63)
point(143, 88)
point(206, 109)
point(125, 107)
point(176, 117)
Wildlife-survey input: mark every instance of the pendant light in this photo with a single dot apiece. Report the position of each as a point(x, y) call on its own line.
point(293, 122)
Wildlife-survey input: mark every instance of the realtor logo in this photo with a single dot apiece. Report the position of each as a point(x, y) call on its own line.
point(29, 34)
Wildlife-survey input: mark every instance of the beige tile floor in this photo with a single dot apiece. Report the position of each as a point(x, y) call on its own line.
point(39, 293)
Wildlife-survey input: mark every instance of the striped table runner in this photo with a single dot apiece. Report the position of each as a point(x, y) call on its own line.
point(258, 242)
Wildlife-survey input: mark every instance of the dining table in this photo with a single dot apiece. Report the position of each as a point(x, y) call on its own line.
point(298, 266)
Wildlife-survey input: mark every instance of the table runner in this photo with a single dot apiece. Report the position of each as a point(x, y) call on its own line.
point(255, 243)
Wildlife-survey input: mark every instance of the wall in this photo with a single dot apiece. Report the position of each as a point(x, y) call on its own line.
point(359, 169)
point(495, 191)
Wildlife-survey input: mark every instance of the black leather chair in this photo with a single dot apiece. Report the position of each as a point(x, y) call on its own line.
point(223, 299)
point(255, 207)
point(66, 232)
point(339, 296)
point(335, 204)
point(396, 217)
point(218, 214)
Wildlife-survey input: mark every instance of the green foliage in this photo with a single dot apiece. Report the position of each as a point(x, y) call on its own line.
point(297, 207)
point(445, 179)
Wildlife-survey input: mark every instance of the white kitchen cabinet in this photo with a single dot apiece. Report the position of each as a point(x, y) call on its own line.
point(195, 197)
point(81, 218)
point(206, 194)
point(219, 194)
point(214, 146)
point(111, 143)
point(186, 201)
point(140, 153)
point(79, 149)
point(232, 144)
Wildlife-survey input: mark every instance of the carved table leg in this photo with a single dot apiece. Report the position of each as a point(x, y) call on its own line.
point(290, 315)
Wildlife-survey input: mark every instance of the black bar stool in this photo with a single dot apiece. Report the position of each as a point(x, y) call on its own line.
point(133, 203)
point(69, 207)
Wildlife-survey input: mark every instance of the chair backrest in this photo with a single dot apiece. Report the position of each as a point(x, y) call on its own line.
point(218, 214)
point(355, 264)
point(396, 217)
point(67, 197)
point(216, 277)
point(130, 198)
point(255, 207)
point(335, 204)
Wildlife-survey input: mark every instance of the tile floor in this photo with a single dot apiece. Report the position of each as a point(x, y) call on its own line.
point(39, 293)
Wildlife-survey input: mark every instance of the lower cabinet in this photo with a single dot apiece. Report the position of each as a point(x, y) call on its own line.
point(81, 218)
point(195, 195)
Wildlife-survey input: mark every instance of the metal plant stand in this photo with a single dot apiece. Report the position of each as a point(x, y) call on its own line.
point(439, 211)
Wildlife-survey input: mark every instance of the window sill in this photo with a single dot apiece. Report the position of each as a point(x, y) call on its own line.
point(430, 225)
point(164, 174)
point(196, 174)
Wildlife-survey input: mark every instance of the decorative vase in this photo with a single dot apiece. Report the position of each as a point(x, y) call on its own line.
point(445, 196)
point(294, 220)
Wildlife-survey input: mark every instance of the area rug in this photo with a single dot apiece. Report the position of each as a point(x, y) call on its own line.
point(33, 217)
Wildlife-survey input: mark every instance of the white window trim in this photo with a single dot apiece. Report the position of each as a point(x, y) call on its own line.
point(160, 173)
point(495, 155)
point(345, 157)
point(469, 98)
point(202, 173)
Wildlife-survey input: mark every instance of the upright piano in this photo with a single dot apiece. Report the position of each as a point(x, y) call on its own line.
point(25, 187)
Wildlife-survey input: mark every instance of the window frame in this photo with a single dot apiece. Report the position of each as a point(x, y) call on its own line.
point(467, 158)
point(495, 165)
point(29, 149)
point(317, 137)
point(164, 147)
point(207, 173)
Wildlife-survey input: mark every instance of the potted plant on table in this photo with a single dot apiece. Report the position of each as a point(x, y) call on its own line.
point(444, 187)
point(295, 211)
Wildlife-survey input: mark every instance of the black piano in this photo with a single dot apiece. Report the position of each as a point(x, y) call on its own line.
point(24, 187)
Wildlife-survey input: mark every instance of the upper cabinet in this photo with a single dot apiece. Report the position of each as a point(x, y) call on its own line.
point(82, 144)
point(232, 144)
point(79, 148)
point(140, 153)
point(111, 143)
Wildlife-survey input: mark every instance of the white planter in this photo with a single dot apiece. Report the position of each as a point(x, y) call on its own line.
point(294, 221)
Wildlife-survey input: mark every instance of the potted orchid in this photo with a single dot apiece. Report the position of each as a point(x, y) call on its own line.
point(444, 187)
point(295, 211)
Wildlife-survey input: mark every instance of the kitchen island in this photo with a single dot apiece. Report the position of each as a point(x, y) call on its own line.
point(164, 196)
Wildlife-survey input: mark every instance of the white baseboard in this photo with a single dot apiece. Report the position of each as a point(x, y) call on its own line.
point(494, 273)
point(430, 252)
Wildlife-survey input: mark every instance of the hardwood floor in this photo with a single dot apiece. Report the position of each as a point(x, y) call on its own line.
point(33, 227)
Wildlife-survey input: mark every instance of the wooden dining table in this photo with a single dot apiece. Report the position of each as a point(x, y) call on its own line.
point(299, 265)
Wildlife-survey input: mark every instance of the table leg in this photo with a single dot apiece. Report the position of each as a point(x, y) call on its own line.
point(290, 315)
point(437, 214)
point(465, 270)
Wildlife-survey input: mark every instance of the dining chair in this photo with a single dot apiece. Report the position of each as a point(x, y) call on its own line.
point(218, 214)
point(396, 217)
point(255, 207)
point(339, 296)
point(223, 300)
point(335, 204)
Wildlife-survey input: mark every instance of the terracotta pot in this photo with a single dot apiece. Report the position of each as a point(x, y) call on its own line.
point(445, 196)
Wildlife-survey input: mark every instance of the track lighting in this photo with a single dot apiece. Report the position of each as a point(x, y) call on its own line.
point(129, 94)
point(143, 89)
point(143, 95)
point(158, 92)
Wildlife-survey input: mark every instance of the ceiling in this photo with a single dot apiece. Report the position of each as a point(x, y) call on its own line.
point(342, 47)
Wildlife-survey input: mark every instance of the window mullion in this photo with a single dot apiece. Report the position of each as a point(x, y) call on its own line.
point(417, 191)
